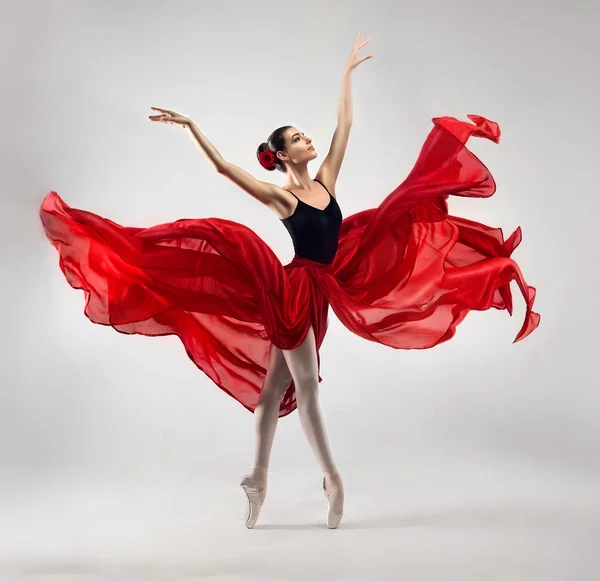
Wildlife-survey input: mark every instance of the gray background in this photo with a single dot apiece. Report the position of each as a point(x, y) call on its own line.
point(474, 460)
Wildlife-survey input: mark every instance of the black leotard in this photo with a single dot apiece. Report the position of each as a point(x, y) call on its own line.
point(315, 232)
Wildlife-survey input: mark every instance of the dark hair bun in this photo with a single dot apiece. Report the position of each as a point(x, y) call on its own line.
point(267, 151)
point(266, 157)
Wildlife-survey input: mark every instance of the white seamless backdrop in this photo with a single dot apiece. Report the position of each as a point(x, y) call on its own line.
point(476, 459)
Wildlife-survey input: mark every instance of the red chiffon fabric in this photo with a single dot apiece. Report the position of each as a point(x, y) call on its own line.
point(405, 275)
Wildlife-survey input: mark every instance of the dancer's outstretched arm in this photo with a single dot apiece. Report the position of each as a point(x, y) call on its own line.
point(265, 192)
point(330, 168)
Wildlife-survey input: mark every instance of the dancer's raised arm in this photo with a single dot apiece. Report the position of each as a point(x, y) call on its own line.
point(330, 168)
point(264, 192)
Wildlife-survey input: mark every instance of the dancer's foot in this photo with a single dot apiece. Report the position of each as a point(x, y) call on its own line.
point(334, 491)
point(255, 487)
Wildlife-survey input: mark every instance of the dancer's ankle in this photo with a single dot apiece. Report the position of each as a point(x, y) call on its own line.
point(259, 473)
point(333, 478)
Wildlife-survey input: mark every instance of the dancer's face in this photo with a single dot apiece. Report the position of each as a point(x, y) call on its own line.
point(299, 147)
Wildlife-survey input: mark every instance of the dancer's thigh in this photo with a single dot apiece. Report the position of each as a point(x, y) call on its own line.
point(278, 375)
point(302, 361)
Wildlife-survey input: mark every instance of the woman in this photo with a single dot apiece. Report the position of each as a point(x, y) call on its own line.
point(404, 274)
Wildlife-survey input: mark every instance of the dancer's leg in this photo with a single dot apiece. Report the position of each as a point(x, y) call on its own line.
point(302, 364)
point(266, 414)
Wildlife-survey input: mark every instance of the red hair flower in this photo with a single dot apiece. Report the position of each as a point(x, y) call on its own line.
point(266, 158)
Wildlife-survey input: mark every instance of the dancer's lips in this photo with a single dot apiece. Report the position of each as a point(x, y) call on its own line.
point(311, 147)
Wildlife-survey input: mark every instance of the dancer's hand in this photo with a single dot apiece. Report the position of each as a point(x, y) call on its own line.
point(170, 117)
point(355, 59)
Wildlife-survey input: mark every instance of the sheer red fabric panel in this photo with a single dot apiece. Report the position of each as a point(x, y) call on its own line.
point(405, 275)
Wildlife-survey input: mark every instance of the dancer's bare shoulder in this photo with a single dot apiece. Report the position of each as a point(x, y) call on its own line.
point(278, 200)
point(281, 203)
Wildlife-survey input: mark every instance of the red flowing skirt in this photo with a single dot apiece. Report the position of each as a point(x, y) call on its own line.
point(405, 275)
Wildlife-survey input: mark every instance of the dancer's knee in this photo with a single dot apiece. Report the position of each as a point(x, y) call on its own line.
point(274, 389)
point(307, 389)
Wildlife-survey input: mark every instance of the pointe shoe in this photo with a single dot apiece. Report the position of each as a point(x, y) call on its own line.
point(335, 504)
point(256, 493)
